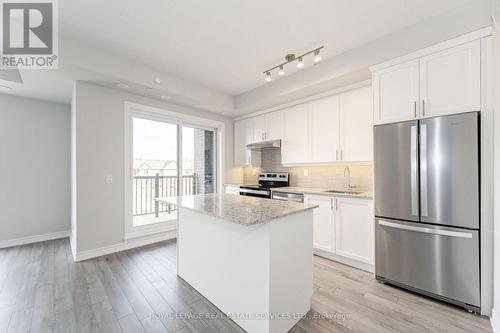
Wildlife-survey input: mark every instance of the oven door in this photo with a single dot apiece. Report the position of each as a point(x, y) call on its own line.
point(254, 192)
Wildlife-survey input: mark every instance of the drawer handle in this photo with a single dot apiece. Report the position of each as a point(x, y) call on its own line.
point(426, 230)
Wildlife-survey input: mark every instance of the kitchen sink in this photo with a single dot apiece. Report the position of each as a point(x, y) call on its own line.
point(344, 192)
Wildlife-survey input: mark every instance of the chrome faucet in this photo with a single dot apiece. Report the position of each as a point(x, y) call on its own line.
point(347, 176)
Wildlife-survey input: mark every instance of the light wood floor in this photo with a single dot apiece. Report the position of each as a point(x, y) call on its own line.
point(42, 290)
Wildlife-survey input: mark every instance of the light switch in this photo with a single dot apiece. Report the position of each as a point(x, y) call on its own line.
point(109, 179)
point(306, 172)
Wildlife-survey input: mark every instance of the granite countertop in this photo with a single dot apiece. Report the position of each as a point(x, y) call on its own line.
point(323, 191)
point(239, 209)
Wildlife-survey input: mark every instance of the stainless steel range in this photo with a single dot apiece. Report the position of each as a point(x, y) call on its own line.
point(267, 181)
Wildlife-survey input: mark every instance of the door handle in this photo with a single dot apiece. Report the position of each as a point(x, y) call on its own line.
point(423, 107)
point(413, 170)
point(336, 154)
point(425, 230)
point(415, 109)
point(341, 154)
point(336, 204)
point(423, 170)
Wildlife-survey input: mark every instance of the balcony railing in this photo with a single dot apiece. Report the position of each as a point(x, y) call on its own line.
point(146, 188)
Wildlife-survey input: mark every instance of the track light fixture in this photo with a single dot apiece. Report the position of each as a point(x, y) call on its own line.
point(291, 58)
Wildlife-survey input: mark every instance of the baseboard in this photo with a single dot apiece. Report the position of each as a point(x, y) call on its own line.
point(33, 239)
point(126, 245)
point(344, 260)
point(494, 320)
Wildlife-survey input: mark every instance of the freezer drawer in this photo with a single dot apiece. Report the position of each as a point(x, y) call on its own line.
point(438, 260)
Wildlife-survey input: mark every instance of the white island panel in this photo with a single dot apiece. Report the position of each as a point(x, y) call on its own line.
point(260, 275)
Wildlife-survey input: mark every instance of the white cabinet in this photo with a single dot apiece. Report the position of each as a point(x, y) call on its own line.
point(343, 229)
point(396, 93)
point(332, 129)
point(323, 237)
point(354, 235)
point(274, 125)
point(440, 83)
point(268, 126)
point(324, 129)
point(450, 80)
point(259, 128)
point(356, 127)
point(295, 145)
point(243, 135)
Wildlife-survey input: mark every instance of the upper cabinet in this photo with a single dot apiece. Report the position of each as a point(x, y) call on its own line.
point(356, 130)
point(243, 135)
point(332, 129)
point(396, 93)
point(324, 126)
point(440, 83)
point(450, 81)
point(295, 144)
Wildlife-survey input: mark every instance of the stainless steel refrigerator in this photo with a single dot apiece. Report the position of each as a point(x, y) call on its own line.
point(427, 207)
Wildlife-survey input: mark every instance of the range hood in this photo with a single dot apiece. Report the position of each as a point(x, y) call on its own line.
point(264, 145)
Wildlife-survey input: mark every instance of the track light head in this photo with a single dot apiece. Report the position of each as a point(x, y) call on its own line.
point(300, 63)
point(268, 78)
point(281, 71)
point(317, 57)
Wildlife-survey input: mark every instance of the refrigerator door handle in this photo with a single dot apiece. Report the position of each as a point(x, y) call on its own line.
point(414, 170)
point(423, 170)
point(426, 230)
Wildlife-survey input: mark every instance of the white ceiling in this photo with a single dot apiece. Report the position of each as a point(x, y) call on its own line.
point(226, 44)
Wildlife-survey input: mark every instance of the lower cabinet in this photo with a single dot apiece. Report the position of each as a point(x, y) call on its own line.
point(343, 230)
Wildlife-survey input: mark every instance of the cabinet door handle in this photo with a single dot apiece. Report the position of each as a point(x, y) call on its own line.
point(341, 154)
point(336, 154)
point(336, 204)
point(423, 107)
point(415, 109)
point(331, 204)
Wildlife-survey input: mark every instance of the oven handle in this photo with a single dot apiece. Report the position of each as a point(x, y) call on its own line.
point(244, 190)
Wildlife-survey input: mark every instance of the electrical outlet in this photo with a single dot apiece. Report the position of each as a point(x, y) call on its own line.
point(109, 179)
point(306, 172)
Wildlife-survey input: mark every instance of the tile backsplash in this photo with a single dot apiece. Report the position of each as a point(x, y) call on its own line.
point(331, 176)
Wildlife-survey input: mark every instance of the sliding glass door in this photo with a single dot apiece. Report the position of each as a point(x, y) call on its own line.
point(166, 158)
point(155, 170)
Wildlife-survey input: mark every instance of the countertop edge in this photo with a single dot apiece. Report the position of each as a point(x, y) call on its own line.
point(363, 195)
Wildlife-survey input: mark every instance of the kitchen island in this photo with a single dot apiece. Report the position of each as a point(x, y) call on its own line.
point(250, 257)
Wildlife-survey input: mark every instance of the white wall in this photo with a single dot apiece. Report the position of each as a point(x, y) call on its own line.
point(34, 167)
point(495, 320)
point(99, 150)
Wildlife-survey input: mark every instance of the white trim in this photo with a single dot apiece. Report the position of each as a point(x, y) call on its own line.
point(33, 239)
point(328, 93)
point(494, 320)
point(346, 261)
point(180, 120)
point(475, 35)
point(126, 245)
